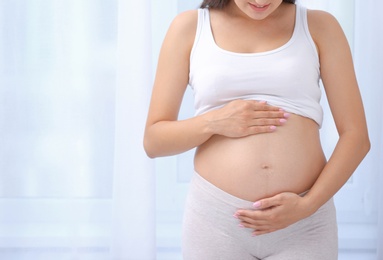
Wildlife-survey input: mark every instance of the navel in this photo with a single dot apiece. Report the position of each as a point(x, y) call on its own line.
point(265, 167)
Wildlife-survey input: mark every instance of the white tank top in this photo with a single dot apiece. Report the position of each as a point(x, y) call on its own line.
point(286, 77)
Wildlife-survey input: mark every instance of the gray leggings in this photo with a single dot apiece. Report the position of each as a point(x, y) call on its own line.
point(210, 232)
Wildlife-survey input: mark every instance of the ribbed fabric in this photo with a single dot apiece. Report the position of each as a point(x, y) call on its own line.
point(287, 77)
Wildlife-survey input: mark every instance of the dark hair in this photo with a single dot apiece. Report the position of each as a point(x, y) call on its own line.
point(218, 4)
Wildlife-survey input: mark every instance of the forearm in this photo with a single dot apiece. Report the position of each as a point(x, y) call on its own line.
point(350, 150)
point(237, 119)
point(167, 138)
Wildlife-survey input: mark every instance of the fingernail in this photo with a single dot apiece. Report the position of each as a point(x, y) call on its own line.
point(282, 120)
point(257, 204)
point(241, 226)
point(235, 215)
point(273, 127)
point(286, 115)
point(253, 235)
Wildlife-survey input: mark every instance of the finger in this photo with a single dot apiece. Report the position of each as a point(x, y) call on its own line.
point(248, 221)
point(253, 227)
point(269, 111)
point(255, 224)
point(268, 203)
point(262, 105)
point(256, 217)
point(270, 114)
point(268, 121)
point(261, 129)
point(257, 229)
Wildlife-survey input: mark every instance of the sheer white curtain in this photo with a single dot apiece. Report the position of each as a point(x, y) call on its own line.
point(134, 202)
point(368, 62)
point(75, 183)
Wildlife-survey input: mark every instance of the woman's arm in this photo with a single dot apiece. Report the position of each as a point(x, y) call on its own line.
point(164, 134)
point(345, 102)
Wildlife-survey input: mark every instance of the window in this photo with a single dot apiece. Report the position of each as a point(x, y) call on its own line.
point(57, 80)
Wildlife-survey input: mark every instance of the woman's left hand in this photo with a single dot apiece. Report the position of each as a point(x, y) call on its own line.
point(274, 213)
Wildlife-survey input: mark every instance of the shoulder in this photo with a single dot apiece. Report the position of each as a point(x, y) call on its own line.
point(186, 18)
point(181, 33)
point(322, 23)
point(185, 24)
point(318, 19)
point(179, 38)
point(324, 28)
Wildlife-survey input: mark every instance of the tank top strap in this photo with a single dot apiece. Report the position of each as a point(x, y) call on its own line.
point(203, 21)
point(302, 21)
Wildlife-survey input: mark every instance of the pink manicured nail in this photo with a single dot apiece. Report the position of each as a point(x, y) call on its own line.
point(257, 204)
point(286, 115)
point(282, 120)
point(235, 215)
point(241, 226)
point(273, 127)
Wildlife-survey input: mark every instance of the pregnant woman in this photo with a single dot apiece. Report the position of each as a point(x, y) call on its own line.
point(262, 187)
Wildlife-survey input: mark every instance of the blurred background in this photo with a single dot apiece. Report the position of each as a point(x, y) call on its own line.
point(75, 83)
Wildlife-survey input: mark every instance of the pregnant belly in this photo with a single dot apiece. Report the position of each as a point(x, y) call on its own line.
point(258, 166)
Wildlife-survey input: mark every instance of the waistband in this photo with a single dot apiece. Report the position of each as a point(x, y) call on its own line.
point(219, 194)
point(222, 195)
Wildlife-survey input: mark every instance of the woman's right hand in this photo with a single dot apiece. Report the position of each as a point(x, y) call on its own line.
point(241, 118)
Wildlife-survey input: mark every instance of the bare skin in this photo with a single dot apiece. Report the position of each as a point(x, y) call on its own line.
point(263, 165)
point(250, 149)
